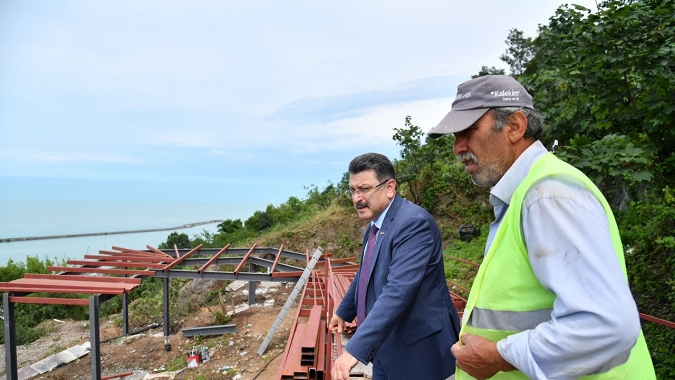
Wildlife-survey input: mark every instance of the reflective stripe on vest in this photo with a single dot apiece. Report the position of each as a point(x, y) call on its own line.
point(508, 320)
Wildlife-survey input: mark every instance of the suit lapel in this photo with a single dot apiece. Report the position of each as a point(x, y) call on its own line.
point(381, 234)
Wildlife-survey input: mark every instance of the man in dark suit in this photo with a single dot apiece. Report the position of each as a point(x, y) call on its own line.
point(407, 322)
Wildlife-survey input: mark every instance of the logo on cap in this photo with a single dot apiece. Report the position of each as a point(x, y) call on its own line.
point(506, 94)
point(463, 96)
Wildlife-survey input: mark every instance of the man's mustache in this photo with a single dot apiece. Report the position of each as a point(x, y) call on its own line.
point(467, 158)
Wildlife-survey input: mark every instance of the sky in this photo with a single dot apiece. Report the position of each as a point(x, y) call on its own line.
point(235, 101)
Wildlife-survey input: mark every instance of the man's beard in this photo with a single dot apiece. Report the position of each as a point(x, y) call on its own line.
point(486, 175)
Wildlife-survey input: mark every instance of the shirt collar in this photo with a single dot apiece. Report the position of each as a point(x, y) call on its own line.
point(378, 222)
point(507, 185)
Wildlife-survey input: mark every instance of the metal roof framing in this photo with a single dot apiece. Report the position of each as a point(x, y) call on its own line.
point(121, 270)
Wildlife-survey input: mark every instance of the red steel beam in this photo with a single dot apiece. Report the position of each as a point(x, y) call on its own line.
point(183, 258)
point(292, 364)
point(658, 320)
point(75, 277)
point(175, 250)
point(115, 253)
point(322, 348)
point(457, 285)
point(311, 338)
point(135, 251)
point(214, 258)
point(75, 284)
point(243, 261)
point(27, 288)
point(101, 270)
point(122, 264)
point(461, 260)
point(50, 301)
point(115, 376)
point(129, 258)
point(276, 259)
point(286, 274)
point(155, 250)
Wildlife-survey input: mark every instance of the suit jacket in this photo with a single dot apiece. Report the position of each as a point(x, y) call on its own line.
point(411, 322)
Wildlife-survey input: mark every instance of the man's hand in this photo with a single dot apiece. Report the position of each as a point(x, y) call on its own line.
point(336, 324)
point(343, 365)
point(479, 357)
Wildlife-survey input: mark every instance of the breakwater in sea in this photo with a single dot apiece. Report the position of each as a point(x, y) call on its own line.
point(183, 226)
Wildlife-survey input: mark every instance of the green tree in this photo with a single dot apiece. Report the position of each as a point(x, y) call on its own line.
point(519, 52)
point(609, 72)
point(488, 71)
point(260, 220)
point(413, 158)
point(182, 241)
point(229, 226)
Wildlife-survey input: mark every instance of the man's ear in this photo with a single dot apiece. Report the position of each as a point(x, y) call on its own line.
point(517, 125)
point(391, 189)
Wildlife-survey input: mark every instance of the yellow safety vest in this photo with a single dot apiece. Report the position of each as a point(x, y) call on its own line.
point(506, 297)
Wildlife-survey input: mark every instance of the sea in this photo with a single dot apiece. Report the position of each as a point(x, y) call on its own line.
point(48, 218)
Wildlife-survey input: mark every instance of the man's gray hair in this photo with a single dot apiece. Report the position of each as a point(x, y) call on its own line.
point(535, 122)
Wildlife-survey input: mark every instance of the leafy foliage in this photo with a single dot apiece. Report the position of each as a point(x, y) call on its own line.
point(488, 71)
point(647, 229)
point(519, 52)
point(181, 241)
point(606, 82)
point(609, 72)
point(616, 165)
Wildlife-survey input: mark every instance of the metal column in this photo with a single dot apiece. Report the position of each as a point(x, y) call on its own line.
point(10, 339)
point(94, 337)
point(251, 292)
point(167, 324)
point(125, 314)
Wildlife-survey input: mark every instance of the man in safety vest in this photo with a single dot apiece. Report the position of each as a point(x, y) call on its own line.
point(551, 298)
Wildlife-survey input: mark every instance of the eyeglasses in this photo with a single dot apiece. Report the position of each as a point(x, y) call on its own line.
point(350, 193)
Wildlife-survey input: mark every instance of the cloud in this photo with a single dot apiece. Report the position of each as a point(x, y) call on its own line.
point(349, 106)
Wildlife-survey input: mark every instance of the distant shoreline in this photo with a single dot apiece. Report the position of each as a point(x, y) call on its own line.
point(189, 225)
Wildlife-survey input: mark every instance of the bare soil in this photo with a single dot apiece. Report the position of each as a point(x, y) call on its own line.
point(233, 356)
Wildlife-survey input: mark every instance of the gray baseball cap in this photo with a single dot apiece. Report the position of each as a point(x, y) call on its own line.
point(476, 97)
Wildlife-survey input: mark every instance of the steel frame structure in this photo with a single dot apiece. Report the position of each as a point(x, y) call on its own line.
point(121, 270)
